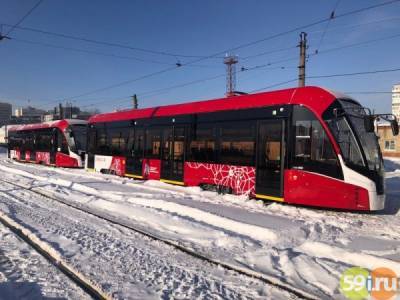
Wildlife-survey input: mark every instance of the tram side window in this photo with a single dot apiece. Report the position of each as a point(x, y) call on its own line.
point(23, 135)
point(313, 150)
point(130, 142)
point(138, 142)
point(19, 139)
point(11, 140)
point(124, 139)
point(237, 141)
point(79, 137)
point(44, 140)
point(202, 145)
point(92, 133)
point(347, 142)
point(28, 141)
point(153, 143)
point(179, 143)
point(101, 142)
point(62, 142)
point(117, 138)
point(15, 141)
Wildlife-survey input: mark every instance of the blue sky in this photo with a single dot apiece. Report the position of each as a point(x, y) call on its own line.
point(45, 75)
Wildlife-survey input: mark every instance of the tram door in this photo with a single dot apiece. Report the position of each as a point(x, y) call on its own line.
point(270, 160)
point(134, 161)
point(172, 156)
point(32, 145)
point(23, 139)
point(53, 146)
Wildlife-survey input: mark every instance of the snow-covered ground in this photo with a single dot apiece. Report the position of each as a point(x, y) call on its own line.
point(125, 264)
point(306, 248)
point(24, 274)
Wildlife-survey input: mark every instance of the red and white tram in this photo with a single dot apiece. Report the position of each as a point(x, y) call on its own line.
point(59, 143)
point(307, 146)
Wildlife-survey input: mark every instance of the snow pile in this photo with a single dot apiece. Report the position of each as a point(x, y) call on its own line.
point(255, 232)
point(370, 262)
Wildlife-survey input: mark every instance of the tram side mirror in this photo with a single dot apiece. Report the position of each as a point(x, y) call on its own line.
point(395, 127)
point(369, 123)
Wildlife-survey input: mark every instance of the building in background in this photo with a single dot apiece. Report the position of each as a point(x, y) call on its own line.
point(5, 113)
point(25, 120)
point(27, 115)
point(389, 144)
point(396, 101)
point(29, 112)
point(3, 135)
point(30, 115)
point(67, 112)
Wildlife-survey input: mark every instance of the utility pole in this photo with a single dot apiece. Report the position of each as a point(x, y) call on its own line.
point(230, 61)
point(134, 101)
point(302, 64)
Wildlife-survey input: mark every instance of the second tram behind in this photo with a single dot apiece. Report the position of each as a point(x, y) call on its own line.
point(59, 143)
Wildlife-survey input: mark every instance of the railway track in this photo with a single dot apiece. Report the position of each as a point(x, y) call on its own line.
point(96, 292)
point(79, 279)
